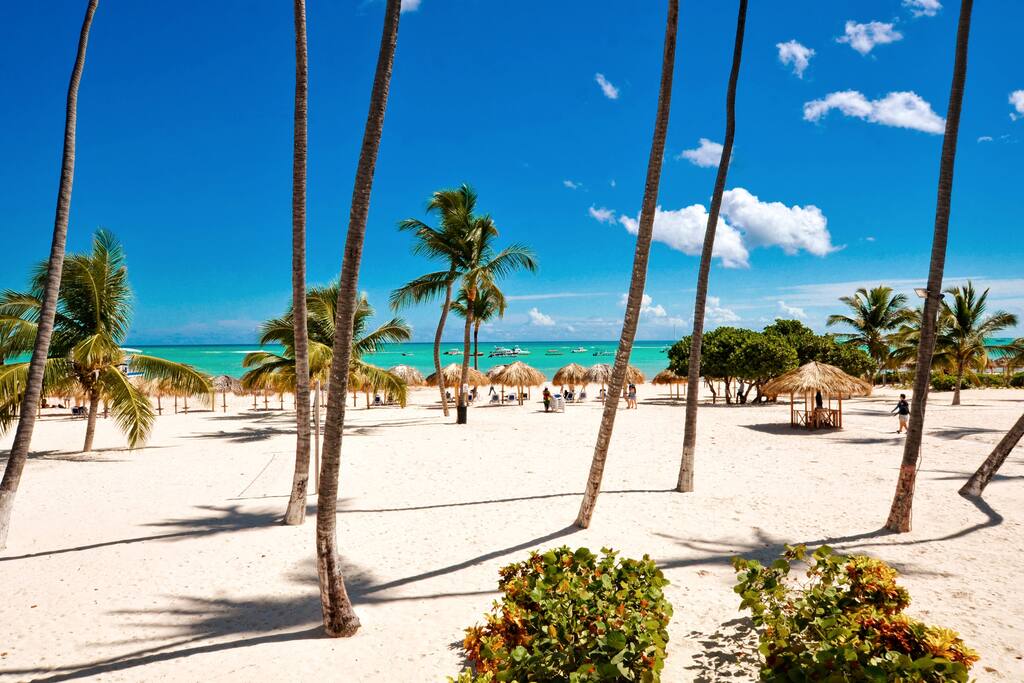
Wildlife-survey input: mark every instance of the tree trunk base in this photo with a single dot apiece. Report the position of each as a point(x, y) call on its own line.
point(461, 415)
point(685, 482)
point(295, 514)
point(902, 503)
point(340, 620)
point(6, 509)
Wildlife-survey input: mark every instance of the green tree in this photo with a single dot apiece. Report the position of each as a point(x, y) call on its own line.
point(490, 303)
point(873, 315)
point(85, 356)
point(823, 348)
point(759, 358)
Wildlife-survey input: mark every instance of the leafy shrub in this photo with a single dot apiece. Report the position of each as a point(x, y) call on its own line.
point(1017, 380)
point(986, 380)
point(943, 382)
point(845, 624)
point(573, 616)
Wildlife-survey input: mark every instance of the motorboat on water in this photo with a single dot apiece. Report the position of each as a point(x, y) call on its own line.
point(604, 353)
point(580, 349)
point(453, 352)
point(553, 352)
point(503, 352)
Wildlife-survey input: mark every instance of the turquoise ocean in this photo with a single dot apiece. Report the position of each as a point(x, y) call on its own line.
point(226, 359)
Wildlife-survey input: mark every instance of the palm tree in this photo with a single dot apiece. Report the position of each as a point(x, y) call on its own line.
point(962, 330)
point(445, 243)
point(295, 513)
point(639, 275)
point(41, 347)
point(339, 617)
point(873, 315)
point(684, 483)
point(490, 302)
point(975, 486)
point(279, 372)
point(85, 357)
point(903, 500)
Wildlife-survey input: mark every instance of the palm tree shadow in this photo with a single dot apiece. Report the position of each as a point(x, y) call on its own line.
point(729, 652)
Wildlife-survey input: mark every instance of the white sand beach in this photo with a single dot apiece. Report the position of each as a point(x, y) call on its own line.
point(168, 563)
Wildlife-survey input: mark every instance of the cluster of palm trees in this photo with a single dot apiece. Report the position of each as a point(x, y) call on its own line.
point(890, 331)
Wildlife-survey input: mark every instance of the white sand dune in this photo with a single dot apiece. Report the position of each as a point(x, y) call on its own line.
point(169, 563)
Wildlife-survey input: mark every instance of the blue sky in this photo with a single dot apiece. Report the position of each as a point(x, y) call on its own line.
point(184, 151)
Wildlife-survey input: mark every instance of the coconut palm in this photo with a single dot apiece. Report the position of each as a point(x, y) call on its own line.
point(684, 483)
point(639, 275)
point(339, 617)
point(490, 303)
point(91, 322)
point(874, 314)
point(445, 243)
point(44, 329)
point(903, 500)
point(277, 372)
point(962, 330)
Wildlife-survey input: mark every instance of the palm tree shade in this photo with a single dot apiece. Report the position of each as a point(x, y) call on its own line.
point(899, 519)
point(684, 481)
point(44, 329)
point(639, 274)
point(338, 615)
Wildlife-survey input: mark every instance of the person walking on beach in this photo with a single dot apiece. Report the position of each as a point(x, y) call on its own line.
point(902, 409)
point(631, 397)
point(547, 400)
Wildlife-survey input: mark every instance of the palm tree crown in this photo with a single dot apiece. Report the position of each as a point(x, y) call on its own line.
point(873, 314)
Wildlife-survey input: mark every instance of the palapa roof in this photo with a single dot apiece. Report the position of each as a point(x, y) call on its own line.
point(225, 383)
point(814, 377)
point(408, 374)
point(600, 373)
point(572, 374)
point(519, 374)
point(452, 375)
point(634, 376)
point(667, 376)
point(494, 372)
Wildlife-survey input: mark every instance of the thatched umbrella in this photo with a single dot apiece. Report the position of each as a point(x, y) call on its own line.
point(408, 374)
point(223, 384)
point(599, 374)
point(634, 376)
point(519, 374)
point(451, 375)
point(571, 375)
point(810, 380)
point(667, 376)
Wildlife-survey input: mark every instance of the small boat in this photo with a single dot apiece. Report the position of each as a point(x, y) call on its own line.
point(406, 353)
point(603, 353)
point(553, 352)
point(453, 352)
point(580, 349)
point(502, 352)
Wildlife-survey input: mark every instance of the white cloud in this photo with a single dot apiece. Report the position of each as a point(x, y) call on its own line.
point(1017, 100)
point(792, 311)
point(985, 138)
point(539, 319)
point(767, 224)
point(716, 314)
point(923, 8)
point(897, 109)
point(410, 5)
point(572, 185)
point(706, 155)
point(869, 238)
point(647, 306)
point(612, 183)
point(864, 37)
point(792, 52)
point(609, 90)
point(683, 230)
point(602, 215)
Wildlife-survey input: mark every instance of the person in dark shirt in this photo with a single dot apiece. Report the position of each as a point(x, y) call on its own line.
point(902, 409)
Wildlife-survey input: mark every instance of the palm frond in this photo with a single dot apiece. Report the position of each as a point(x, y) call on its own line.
point(129, 407)
point(179, 377)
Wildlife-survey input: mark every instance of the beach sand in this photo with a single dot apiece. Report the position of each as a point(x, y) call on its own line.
point(169, 563)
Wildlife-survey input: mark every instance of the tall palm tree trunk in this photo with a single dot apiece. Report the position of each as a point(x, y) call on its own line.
point(462, 414)
point(90, 423)
point(902, 505)
point(975, 486)
point(476, 345)
point(639, 276)
point(437, 345)
point(959, 382)
point(48, 309)
point(296, 510)
point(339, 617)
point(685, 481)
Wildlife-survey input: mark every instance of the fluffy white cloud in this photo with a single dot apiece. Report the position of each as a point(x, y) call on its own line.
point(792, 52)
point(572, 185)
point(683, 230)
point(1017, 100)
point(602, 215)
point(864, 37)
point(767, 224)
point(410, 5)
point(706, 155)
point(716, 314)
point(985, 138)
point(897, 109)
point(792, 311)
point(647, 306)
point(923, 8)
point(609, 90)
point(539, 319)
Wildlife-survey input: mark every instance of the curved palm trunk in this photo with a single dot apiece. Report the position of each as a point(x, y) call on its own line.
point(462, 415)
point(684, 482)
point(48, 309)
point(296, 511)
point(339, 617)
point(903, 500)
point(90, 426)
point(639, 276)
point(975, 486)
point(437, 346)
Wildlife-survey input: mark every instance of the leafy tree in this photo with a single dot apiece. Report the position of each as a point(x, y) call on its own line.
point(716, 361)
point(759, 358)
point(873, 315)
point(85, 356)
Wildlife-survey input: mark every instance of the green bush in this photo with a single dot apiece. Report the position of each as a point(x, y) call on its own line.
point(573, 616)
point(986, 380)
point(944, 382)
point(1017, 380)
point(845, 623)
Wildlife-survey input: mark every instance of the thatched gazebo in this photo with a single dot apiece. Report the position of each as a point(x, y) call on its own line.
point(451, 376)
point(667, 376)
point(810, 381)
point(408, 374)
point(519, 374)
point(572, 375)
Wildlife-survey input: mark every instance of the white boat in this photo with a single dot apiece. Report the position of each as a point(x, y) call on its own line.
point(580, 349)
point(453, 352)
point(502, 352)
